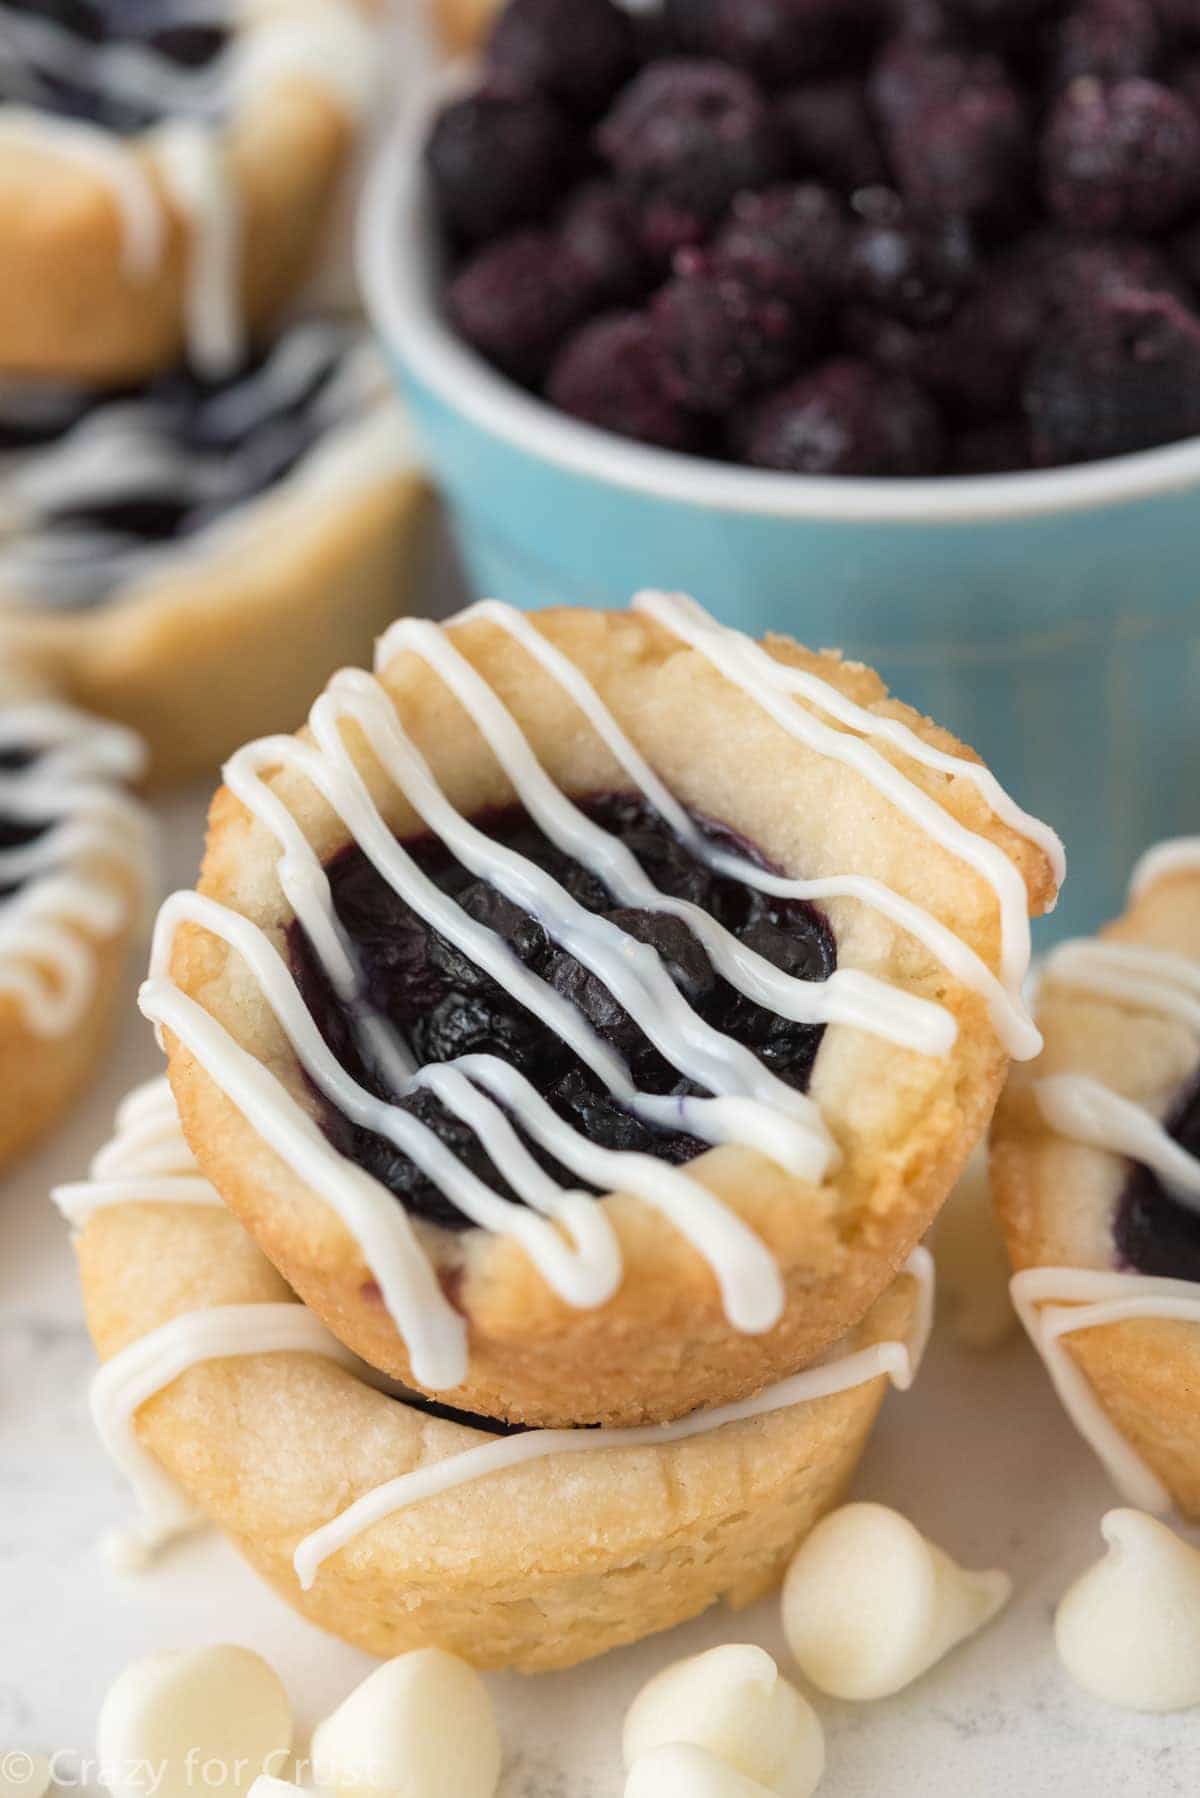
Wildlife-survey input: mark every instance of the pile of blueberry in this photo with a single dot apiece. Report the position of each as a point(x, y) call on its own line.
point(871, 237)
point(445, 1006)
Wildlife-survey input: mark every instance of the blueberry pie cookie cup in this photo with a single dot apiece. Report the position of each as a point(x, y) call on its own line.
point(1095, 1157)
point(74, 886)
point(166, 181)
point(194, 557)
point(570, 1168)
point(397, 1526)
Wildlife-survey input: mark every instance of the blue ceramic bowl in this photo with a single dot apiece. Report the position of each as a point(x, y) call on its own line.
point(1051, 619)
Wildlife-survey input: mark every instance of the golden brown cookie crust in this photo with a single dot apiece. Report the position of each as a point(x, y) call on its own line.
point(1056, 1198)
point(69, 307)
point(220, 647)
point(538, 1567)
point(463, 24)
point(905, 1122)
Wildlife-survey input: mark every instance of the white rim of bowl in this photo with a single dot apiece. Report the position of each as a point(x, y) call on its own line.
point(396, 267)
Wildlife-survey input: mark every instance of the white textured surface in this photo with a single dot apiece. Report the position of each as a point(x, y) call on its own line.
point(979, 1456)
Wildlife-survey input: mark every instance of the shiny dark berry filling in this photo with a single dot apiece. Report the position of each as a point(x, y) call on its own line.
point(858, 237)
point(54, 58)
point(1154, 1234)
point(444, 1006)
point(15, 832)
point(201, 448)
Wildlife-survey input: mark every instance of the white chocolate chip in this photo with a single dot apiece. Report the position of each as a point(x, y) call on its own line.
point(685, 1770)
point(205, 1719)
point(1129, 1628)
point(23, 1775)
point(734, 1703)
point(420, 1726)
point(972, 1267)
point(869, 1605)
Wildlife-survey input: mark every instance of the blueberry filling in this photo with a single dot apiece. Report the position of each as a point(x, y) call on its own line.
point(15, 833)
point(444, 1006)
point(53, 56)
point(185, 451)
point(1153, 1233)
point(491, 1426)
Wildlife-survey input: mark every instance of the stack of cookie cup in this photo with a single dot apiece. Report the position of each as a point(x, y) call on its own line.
point(206, 503)
point(573, 1033)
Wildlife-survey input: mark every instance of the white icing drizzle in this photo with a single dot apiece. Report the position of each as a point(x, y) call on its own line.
point(1089, 1112)
point(1180, 855)
point(770, 684)
point(1088, 1298)
point(1007, 1010)
point(126, 450)
point(898, 1361)
point(1132, 974)
point(146, 1160)
point(751, 1107)
point(78, 874)
point(146, 1366)
point(114, 164)
point(330, 45)
point(192, 164)
point(134, 1168)
point(327, 43)
point(847, 997)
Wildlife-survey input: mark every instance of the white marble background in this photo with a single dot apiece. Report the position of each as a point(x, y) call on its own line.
point(979, 1455)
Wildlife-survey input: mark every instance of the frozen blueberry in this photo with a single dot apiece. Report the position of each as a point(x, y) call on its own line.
point(1122, 376)
point(845, 418)
point(1076, 271)
point(685, 137)
point(779, 41)
point(915, 351)
point(598, 232)
point(577, 51)
point(1003, 22)
point(1185, 253)
point(999, 448)
point(515, 301)
point(828, 133)
point(967, 155)
point(916, 269)
point(1185, 78)
point(1120, 157)
point(1110, 39)
point(787, 240)
point(1180, 18)
point(926, 21)
point(911, 75)
point(721, 338)
point(496, 160)
point(983, 352)
point(610, 374)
